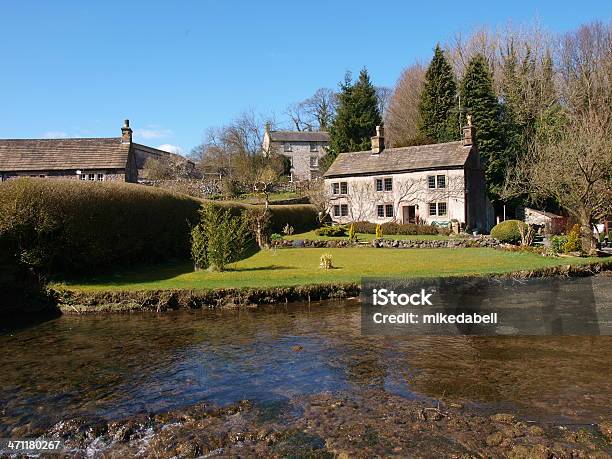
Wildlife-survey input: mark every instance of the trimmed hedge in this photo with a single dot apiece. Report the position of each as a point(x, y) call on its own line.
point(398, 228)
point(69, 226)
point(303, 217)
point(508, 231)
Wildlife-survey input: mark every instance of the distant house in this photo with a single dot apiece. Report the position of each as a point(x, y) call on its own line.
point(303, 148)
point(552, 223)
point(100, 159)
point(433, 184)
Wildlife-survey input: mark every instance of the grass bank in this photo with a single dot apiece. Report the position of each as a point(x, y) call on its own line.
point(291, 267)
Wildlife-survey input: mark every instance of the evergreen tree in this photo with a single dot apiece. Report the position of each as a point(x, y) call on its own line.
point(480, 101)
point(437, 106)
point(357, 116)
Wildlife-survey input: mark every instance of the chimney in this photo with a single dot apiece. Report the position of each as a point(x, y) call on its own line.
point(469, 133)
point(378, 141)
point(268, 127)
point(126, 132)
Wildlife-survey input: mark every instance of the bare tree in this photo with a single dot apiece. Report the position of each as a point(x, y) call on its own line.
point(402, 117)
point(319, 195)
point(574, 169)
point(361, 198)
point(383, 95)
point(223, 146)
point(314, 113)
point(585, 68)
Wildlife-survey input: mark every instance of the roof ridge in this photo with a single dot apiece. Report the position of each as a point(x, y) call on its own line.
point(60, 138)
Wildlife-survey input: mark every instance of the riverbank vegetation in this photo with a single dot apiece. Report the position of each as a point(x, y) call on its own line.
point(285, 267)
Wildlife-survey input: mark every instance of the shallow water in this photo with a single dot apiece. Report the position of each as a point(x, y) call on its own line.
point(119, 365)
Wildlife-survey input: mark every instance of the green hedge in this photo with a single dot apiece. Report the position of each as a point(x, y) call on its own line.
point(398, 228)
point(62, 226)
point(508, 231)
point(303, 217)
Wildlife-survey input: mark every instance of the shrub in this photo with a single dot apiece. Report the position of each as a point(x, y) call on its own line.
point(325, 261)
point(222, 238)
point(69, 226)
point(199, 254)
point(379, 233)
point(351, 233)
point(275, 237)
point(396, 228)
point(508, 231)
point(331, 231)
point(573, 240)
point(557, 243)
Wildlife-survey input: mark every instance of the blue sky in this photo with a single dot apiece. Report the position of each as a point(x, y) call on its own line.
point(177, 68)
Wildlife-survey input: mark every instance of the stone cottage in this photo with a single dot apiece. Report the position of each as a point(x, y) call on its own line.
point(303, 148)
point(98, 159)
point(433, 184)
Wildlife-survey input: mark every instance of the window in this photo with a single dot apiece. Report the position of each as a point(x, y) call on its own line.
point(314, 146)
point(339, 188)
point(436, 181)
point(82, 177)
point(437, 208)
point(341, 210)
point(384, 210)
point(433, 210)
point(384, 184)
point(100, 177)
point(314, 161)
point(441, 208)
point(287, 147)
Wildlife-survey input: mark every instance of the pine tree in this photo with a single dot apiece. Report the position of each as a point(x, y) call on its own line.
point(438, 101)
point(480, 101)
point(357, 115)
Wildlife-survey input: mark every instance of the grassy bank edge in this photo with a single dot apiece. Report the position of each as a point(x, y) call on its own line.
point(80, 302)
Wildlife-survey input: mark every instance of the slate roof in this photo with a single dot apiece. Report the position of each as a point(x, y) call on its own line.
point(395, 160)
point(299, 136)
point(61, 154)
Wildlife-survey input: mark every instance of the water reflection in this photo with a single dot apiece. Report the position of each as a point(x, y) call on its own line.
point(114, 366)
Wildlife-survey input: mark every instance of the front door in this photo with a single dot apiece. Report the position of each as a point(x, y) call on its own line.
point(409, 214)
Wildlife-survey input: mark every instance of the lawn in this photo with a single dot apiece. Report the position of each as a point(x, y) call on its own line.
point(367, 237)
point(284, 267)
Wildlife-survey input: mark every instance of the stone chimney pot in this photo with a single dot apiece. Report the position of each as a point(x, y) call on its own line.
point(126, 132)
point(378, 141)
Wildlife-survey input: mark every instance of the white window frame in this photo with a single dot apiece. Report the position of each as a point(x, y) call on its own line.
point(436, 206)
point(314, 147)
point(287, 147)
point(314, 161)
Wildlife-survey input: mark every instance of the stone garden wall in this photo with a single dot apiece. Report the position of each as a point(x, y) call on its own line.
point(478, 241)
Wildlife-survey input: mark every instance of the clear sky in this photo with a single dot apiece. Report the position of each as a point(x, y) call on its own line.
point(174, 68)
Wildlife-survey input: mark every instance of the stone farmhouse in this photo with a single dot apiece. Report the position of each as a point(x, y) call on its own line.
point(303, 148)
point(434, 184)
point(98, 159)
